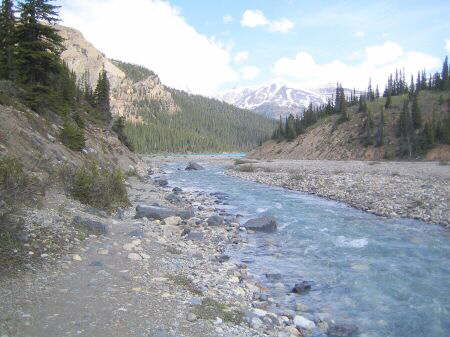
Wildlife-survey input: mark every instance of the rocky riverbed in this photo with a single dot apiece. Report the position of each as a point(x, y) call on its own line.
point(156, 269)
point(418, 190)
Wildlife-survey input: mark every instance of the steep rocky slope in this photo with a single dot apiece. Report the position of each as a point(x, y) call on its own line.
point(87, 62)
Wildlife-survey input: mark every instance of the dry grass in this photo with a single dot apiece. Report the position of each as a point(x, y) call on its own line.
point(245, 168)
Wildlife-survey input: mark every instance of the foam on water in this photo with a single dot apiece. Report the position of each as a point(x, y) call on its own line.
point(389, 277)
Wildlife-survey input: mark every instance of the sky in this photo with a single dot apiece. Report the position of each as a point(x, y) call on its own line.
point(211, 46)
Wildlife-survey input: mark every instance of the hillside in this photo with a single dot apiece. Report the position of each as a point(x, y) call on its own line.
point(161, 119)
point(328, 139)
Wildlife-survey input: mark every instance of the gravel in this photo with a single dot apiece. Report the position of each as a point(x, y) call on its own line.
point(418, 190)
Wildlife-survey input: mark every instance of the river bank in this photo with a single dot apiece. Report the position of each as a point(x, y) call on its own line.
point(142, 276)
point(418, 190)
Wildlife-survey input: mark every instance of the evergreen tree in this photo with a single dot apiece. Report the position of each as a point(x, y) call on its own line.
point(380, 133)
point(101, 97)
point(290, 128)
point(388, 100)
point(416, 115)
point(7, 40)
point(39, 44)
point(445, 76)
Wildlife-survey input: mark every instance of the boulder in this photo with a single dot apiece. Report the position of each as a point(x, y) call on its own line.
point(162, 182)
point(192, 166)
point(215, 220)
point(173, 198)
point(303, 323)
point(301, 287)
point(91, 225)
point(137, 233)
point(266, 224)
point(220, 195)
point(195, 236)
point(172, 221)
point(177, 190)
point(342, 330)
point(186, 214)
point(153, 212)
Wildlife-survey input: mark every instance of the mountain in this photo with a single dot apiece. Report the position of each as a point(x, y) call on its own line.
point(279, 100)
point(159, 118)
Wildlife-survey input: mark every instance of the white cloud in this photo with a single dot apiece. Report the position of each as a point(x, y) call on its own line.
point(255, 18)
point(241, 57)
point(377, 63)
point(250, 72)
point(282, 26)
point(360, 34)
point(447, 45)
point(154, 34)
point(227, 19)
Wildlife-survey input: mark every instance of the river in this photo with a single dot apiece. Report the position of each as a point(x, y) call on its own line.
point(389, 277)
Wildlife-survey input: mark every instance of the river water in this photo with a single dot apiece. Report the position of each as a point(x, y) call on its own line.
point(389, 277)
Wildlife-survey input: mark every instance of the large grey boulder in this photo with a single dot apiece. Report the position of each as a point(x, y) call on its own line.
point(161, 213)
point(192, 166)
point(91, 225)
point(162, 182)
point(215, 220)
point(153, 212)
point(173, 198)
point(266, 224)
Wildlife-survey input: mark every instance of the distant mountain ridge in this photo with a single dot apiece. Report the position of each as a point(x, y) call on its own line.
point(279, 100)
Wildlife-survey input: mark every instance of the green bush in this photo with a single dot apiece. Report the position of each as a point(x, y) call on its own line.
point(17, 190)
point(100, 188)
point(72, 136)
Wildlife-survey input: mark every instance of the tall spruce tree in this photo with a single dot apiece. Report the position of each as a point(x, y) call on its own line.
point(388, 100)
point(7, 40)
point(38, 44)
point(101, 97)
point(445, 77)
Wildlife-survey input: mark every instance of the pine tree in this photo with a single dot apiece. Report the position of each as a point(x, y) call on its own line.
point(388, 100)
point(445, 77)
point(101, 97)
point(380, 133)
point(39, 44)
point(7, 40)
point(416, 115)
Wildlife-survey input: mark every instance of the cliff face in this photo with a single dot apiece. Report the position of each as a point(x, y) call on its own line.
point(87, 62)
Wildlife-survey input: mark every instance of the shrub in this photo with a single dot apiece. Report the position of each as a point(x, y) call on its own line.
point(119, 128)
point(17, 190)
point(72, 136)
point(100, 188)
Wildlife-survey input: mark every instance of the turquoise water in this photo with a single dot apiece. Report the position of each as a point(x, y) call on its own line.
point(389, 277)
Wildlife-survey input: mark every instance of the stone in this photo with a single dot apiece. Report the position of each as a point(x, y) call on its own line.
point(162, 182)
point(96, 264)
point(192, 166)
point(102, 251)
point(266, 224)
point(153, 212)
point(91, 225)
point(128, 246)
point(293, 331)
point(134, 257)
point(215, 220)
point(223, 258)
point(173, 198)
point(342, 330)
point(220, 195)
point(301, 287)
point(303, 323)
point(76, 257)
point(301, 307)
point(195, 236)
point(177, 190)
point(186, 214)
point(273, 277)
point(172, 221)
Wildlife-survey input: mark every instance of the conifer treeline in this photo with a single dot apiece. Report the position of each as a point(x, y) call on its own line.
point(30, 49)
point(202, 125)
point(415, 135)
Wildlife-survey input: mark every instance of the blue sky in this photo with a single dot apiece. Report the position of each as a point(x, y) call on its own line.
point(208, 46)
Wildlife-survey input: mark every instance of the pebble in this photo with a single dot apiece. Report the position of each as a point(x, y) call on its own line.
point(102, 251)
point(134, 257)
point(76, 257)
point(303, 323)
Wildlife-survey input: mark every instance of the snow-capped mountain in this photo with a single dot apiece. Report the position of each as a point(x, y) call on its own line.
point(277, 99)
